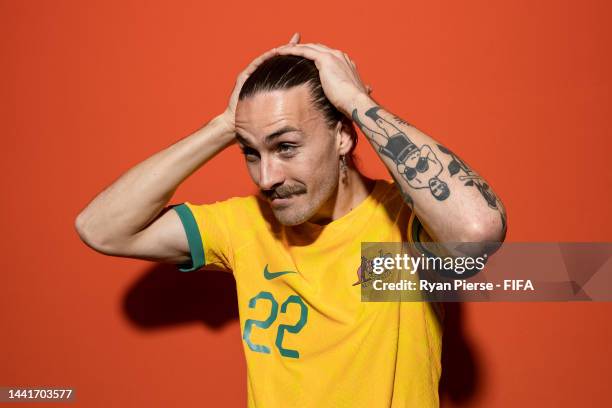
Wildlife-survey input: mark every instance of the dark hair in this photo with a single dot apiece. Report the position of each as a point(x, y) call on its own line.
point(287, 71)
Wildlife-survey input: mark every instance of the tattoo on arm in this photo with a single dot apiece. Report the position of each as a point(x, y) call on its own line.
point(470, 179)
point(407, 198)
point(401, 121)
point(419, 166)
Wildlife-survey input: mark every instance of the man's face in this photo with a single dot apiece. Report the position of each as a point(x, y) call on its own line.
point(413, 158)
point(439, 189)
point(290, 152)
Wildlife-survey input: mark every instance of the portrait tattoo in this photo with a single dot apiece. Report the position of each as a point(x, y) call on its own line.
point(407, 198)
point(419, 166)
point(469, 178)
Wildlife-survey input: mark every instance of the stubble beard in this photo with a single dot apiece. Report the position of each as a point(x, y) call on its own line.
point(300, 212)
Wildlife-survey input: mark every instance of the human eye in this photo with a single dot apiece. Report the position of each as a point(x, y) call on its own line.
point(287, 149)
point(251, 155)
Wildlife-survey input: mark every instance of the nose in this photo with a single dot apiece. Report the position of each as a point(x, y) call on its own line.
point(270, 173)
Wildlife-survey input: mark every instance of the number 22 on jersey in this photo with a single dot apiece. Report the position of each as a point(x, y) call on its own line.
point(282, 328)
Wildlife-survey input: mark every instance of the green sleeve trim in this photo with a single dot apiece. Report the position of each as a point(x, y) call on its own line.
point(193, 237)
point(416, 237)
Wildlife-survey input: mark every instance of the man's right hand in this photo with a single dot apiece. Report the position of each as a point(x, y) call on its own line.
point(229, 115)
point(126, 218)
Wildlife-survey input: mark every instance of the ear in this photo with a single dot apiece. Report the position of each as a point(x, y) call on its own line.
point(345, 136)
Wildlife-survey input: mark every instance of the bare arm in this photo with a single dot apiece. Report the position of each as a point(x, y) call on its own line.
point(454, 203)
point(124, 219)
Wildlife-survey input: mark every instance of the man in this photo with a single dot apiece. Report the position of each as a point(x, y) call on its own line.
point(294, 249)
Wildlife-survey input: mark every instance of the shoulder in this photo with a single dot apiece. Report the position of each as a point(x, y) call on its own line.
point(391, 196)
point(235, 213)
point(393, 205)
point(233, 207)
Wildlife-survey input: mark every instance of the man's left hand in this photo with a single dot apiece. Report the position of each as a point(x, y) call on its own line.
point(338, 73)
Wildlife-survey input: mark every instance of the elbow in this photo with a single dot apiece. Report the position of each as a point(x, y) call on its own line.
point(483, 232)
point(483, 236)
point(80, 227)
point(90, 237)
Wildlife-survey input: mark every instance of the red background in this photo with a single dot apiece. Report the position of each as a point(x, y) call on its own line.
point(520, 89)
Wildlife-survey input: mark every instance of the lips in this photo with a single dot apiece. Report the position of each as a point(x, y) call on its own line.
point(281, 201)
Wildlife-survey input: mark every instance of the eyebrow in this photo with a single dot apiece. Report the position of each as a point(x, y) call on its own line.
point(270, 138)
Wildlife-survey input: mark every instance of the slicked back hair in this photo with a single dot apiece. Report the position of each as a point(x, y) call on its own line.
point(287, 71)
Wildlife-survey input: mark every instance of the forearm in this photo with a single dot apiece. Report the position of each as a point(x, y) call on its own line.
point(137, 197)
point(453, 202)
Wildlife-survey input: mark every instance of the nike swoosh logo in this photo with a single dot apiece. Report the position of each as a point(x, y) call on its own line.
point(271, 275)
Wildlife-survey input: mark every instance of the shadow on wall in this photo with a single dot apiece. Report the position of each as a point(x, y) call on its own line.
point(163, 296)
point(461, 372)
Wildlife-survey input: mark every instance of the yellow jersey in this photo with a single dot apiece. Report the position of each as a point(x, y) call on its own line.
point(308, 339)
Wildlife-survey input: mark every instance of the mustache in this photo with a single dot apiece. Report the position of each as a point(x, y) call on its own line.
point(284, 191)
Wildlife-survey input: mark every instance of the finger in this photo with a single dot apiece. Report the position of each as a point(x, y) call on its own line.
point(270, 53)
point(315, 47)
point(322, 48)
point(302, 50)
point(295, 38)
point(259, 60)
point(350, 61)
point(325, 49)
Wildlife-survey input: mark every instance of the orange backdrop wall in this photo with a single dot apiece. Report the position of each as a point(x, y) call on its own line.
point(520, 89)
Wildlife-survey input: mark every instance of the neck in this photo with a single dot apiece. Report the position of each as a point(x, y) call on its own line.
point(351, 191)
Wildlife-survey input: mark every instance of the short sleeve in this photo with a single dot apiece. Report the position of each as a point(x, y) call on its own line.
point(416, 231)
point(422, 241)
point(417, 235)
point(207, 234)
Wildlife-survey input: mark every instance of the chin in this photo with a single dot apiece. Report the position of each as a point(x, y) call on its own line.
point(303, 207)
point(295, 213)
point(290, 217)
